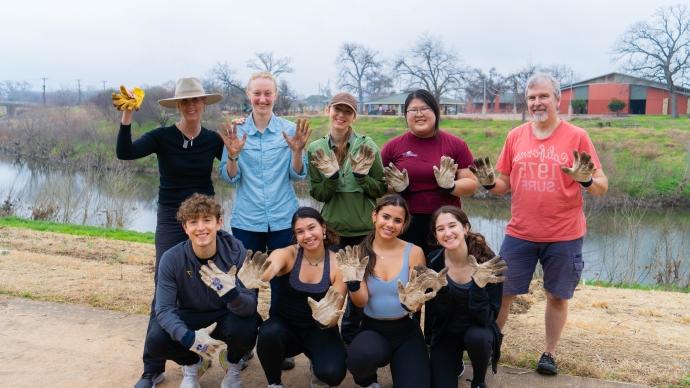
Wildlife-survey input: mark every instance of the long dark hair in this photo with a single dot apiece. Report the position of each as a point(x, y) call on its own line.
point(309, 212)
point(428, 99)
point(476, 243)
point(368, 242)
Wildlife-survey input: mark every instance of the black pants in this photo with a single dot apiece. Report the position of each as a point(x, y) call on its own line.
point(324, 348)
point(352, 318)
point(446, 354)
point(399, 343)
point(169, 233)
point(239, 333)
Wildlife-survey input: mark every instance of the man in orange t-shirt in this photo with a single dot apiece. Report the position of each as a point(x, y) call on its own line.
point(546, 164)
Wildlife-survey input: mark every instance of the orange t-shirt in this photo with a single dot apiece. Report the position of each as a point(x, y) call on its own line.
point(546, 203)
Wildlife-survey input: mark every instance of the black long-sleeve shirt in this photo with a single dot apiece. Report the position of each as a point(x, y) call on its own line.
point(183, 171)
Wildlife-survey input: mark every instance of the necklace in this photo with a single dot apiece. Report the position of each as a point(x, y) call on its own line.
point(187, 142)
point(313, 264)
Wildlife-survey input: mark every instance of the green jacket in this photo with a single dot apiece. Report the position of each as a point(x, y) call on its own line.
point(348, 200)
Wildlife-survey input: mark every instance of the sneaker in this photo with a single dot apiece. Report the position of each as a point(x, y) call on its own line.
point(288, 363)
point(149, 380)
point(232, 377)
point(315, 382)
point(373, 385)
point(476, 385)
point(547, 365)
point(275, 385)
point(243, 362)
point(461, 370)
point(192, 373)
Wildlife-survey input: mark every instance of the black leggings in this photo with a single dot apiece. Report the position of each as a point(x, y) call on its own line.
point(399, 343)
point(324, 348)
point(446, 354)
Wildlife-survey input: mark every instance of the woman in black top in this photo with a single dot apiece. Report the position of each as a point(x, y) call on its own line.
point(465, 310)
point(299, 272)
point(185, 152)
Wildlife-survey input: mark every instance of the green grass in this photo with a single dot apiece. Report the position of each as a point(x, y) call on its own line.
point(636, 286)
point(79, 230)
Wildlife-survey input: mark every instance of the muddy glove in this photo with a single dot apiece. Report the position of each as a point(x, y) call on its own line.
point(484, 172)
point(397, 179)
point(362, 161)
point(252, 269)
point(488, 272)
point(218, 280)
point(326, 164)
point(582, 168)
point(413, 295)
point(445, 175)
point(351, 264)
point(204, 345)
point(329, 309)
point(126, 100)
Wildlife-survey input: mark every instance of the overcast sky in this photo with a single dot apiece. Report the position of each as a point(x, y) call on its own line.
point(151, 42)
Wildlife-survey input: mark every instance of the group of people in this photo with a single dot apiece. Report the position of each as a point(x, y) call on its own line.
point(390, 238)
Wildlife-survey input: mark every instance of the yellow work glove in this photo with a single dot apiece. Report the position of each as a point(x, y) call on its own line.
point(126, 100)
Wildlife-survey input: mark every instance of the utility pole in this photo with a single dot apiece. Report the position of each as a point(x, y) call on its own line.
point(104, 83)
point(44, 90)
point(78, 92)
point(484, 102)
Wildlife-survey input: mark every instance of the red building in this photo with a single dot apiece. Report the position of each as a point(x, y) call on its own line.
point(640, 96)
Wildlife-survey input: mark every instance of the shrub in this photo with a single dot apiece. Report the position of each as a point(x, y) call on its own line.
point(616, 105)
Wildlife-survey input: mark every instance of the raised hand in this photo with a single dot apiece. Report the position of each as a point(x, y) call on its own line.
point(484, 171)
point(396, 178)
point(351, 263)
point(329, 309)
point(488, 272)
point(413, 295)
point(299, 140)
point(327, 164)
point(445, 175)
point(228, 132)
point(128, 100)
point(218, 280)
point(582, 168)
point(252, 269)
point(204, 345)
point(362, 161)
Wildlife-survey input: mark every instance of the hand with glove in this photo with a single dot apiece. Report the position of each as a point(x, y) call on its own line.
point(488, 272)
point(128, 100)
point(445, 175)
point(326, 164)
point(351, 263)
point(218, 280)
point(362, 161)
point(582, 168)
point(397, 179)
point(204, 345)
point(252, 269)
point(484, 171)
point(329, 309)
point(413, 295)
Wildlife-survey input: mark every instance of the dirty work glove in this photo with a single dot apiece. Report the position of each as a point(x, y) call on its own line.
point(397, 179)
point(204, 345)
point(218, 280)
point(351, 263)
point(126, 100)
point(362, 161)
point(413, 295)
point(582, 168)
point(252, 269)
point(484, 172)
point(445, 175)
point(329, 309)
point(326, 164)
point(488, 272)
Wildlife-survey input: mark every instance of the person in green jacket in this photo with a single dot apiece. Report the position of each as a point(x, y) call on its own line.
point(346, 174)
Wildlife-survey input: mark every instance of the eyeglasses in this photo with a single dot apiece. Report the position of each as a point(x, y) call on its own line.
point(416, 111)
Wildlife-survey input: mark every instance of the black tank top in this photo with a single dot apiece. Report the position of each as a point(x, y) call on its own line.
point(289, 294)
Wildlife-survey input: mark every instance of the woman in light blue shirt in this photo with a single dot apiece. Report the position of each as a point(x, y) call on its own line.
point(262, 154)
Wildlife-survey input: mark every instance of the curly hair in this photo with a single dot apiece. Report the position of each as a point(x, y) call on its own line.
point(198, 205)
point(476, 243)
point(331, 237)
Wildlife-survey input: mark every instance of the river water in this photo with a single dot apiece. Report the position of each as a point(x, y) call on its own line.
point(629, 243)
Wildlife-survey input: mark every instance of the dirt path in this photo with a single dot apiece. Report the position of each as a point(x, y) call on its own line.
point(626, 335)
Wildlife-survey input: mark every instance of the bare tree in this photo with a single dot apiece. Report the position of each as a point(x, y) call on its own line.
point(267, 62)
point(484, 87)
point(659, 49)
point(16, 91)
point(286, 98)
point(229, 86)
point(357, 64)
point(378, 85)
point(431, 65)
point(517, 81)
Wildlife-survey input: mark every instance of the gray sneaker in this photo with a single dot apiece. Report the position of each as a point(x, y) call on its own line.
point(149, 380)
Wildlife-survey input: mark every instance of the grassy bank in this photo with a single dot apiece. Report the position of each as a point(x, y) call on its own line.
point(637, 286)
point(77, 230)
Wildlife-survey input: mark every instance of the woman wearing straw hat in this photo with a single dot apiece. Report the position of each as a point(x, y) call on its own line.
point(185, 152)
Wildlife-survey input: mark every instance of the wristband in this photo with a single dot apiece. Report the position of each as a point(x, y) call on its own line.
point(233, 158)
point(353, 285)
point(588, 183)
point(489, 187)
point(358, 175)
point(335, 176)
point(449, 190)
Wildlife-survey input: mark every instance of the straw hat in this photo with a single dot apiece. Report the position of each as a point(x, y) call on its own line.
point(189, 88)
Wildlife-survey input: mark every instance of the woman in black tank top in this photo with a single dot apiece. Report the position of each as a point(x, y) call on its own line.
point(296, 273)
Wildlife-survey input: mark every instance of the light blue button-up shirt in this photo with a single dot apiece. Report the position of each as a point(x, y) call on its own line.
point(264, 197)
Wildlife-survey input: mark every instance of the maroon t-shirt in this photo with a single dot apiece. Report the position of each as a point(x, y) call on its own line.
point(418, 156)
